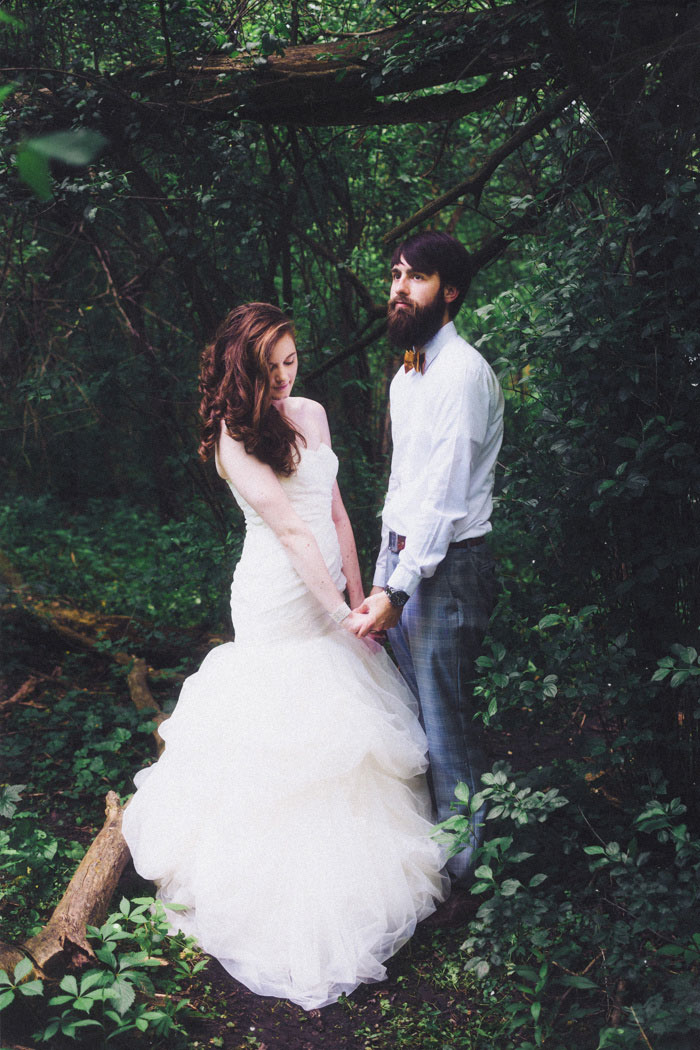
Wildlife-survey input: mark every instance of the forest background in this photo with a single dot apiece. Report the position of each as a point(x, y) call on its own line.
point(165, 160)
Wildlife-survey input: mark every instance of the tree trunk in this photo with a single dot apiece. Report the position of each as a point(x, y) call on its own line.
point(62, 943)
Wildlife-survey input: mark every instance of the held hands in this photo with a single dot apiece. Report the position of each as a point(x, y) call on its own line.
point(378, 614)
point(356, 623)
point(371, 619)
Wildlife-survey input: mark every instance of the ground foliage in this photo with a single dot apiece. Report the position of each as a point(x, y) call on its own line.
point(571, 169)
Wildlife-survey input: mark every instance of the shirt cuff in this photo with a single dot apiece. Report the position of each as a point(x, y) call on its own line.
point(380, 567)
point(403, 580)
point(379, 576)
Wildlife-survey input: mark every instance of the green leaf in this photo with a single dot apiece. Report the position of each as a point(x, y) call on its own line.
point(76, 148)
point(34, 170)
point(50, 1030)
point(90, 980)
point(23, 968)
point(35, 987)
point(575, 981)
point(84, 1003)
point(11, 20)
point(481, 887)
point(627, 442)
point(478, 966)
point(6, 998)
point(122, 995)
point(106, 956)
point(69, 984)
point(510, 887)
point(10, 795)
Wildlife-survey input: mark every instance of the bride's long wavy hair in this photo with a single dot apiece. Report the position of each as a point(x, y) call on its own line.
point(234, 382)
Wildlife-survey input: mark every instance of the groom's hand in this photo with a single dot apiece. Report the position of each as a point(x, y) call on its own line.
point(380, 613)
point(378, 636)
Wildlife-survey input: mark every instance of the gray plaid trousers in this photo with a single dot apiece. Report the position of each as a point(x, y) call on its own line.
point(436, 644)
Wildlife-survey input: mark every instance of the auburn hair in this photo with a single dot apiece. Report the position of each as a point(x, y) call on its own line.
point(234, 382)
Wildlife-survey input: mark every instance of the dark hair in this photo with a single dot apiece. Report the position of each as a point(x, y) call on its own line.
point(234, 382)
point(433, 252)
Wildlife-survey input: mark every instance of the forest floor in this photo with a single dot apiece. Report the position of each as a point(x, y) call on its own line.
point(426, 1003)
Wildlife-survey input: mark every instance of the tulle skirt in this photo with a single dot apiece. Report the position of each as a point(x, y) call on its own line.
point(290, 816)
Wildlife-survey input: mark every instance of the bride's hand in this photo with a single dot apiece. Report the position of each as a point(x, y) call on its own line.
point(354, 622)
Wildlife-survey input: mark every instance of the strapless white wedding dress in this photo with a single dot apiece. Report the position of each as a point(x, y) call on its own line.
point(288, 812)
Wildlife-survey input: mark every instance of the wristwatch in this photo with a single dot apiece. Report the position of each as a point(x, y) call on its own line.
point(397, 598)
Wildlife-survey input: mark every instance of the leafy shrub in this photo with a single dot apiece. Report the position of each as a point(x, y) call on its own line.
point(136, 961)
point(119, 558)
point(33, 863)
point(91, 742)
point(594, 932)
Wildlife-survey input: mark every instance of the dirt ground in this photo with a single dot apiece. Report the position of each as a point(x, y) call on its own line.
point(247, 1020)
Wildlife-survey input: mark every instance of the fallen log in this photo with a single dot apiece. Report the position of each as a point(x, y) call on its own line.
point(25, 690)
point(62, 943)
point(87, 630)
point(143, 699)
point(93, 627)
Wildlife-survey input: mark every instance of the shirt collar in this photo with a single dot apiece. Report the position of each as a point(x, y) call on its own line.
point(433, 347)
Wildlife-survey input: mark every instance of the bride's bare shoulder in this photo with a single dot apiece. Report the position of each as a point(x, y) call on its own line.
point(310, 418)
point(305, 404)
point(306, 409)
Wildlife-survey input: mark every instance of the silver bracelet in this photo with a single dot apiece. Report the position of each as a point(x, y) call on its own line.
point(341, 613)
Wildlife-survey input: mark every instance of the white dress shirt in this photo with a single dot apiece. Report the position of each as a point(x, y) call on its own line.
point(447, 428)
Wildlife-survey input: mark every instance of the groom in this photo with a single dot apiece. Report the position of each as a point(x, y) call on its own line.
point(434, 584)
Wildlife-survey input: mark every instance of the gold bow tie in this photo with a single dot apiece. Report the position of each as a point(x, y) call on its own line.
point(413, 359)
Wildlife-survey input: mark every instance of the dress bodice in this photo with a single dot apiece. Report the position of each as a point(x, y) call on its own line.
point(309, 489)
point(267, 593)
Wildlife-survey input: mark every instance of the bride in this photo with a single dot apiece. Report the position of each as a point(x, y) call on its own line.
point(288, 813)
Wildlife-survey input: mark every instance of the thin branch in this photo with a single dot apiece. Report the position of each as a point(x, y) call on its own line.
point(350, 351)
point(363, 293)
point(169, 64)
point(475, 184)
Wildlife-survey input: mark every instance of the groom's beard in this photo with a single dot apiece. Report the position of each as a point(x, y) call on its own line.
point(415, 326)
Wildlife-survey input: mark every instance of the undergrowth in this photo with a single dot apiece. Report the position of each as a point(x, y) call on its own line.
point(115, 557)
point(586, 935)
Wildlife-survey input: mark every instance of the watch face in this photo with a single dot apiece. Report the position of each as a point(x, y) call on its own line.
point(397, 598)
